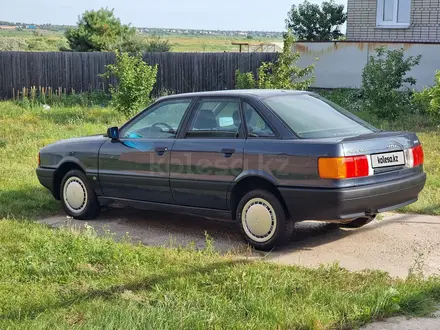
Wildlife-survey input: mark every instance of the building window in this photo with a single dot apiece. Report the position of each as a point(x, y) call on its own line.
point(393, 13)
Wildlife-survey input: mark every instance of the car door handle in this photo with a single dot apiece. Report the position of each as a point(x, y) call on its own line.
point(228, 152)
point(160, 150)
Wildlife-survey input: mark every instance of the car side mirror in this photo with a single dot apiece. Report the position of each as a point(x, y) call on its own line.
point(113, 133)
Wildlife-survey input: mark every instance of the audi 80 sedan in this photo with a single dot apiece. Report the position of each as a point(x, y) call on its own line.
point(262, 158)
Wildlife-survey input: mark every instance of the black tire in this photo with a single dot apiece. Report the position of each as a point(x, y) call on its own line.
point(359, 222)
point(90, 207)
point(283, 226)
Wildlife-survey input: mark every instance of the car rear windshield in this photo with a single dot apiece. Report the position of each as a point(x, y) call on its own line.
point(313, 117)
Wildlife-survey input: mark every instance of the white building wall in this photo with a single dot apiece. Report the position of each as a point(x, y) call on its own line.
point(340, 64)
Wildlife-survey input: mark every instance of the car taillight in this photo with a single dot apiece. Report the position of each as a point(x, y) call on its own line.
point(415, 156)
point(39, 159)
point(343, 167)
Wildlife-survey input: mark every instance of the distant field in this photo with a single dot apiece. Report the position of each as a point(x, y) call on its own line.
point(211, 44)
point(29, 33)
point(179, 43)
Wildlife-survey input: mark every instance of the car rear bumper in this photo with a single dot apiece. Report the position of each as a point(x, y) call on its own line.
point(349, 203)
point(45, 176)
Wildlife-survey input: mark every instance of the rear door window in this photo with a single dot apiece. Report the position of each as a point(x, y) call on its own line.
point(256, 126)
point(216, 118)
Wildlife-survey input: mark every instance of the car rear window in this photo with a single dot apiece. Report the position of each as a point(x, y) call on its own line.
point(313, 117)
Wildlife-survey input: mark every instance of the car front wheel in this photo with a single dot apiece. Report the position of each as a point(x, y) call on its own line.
point(263, 221)
point(77, 196)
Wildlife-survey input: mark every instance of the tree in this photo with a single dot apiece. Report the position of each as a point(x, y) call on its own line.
point(98, 31)
point(313, 23)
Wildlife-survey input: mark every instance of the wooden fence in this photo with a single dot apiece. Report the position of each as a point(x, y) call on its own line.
point(178, 72)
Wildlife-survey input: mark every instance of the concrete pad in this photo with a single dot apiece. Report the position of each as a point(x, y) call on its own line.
point(402, 323)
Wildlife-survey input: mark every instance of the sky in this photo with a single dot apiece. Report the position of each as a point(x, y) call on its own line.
point(261, 15)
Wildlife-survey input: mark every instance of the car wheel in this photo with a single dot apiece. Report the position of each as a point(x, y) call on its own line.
point(77, 196)
point(263, 221)
point(359, 222)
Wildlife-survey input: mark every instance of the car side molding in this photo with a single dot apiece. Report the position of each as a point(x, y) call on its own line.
point(222, 215)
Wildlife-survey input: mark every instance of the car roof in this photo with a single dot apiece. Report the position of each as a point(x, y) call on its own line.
point(238, 92)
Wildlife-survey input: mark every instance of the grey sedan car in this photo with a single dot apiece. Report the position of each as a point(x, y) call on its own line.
point(262, 158)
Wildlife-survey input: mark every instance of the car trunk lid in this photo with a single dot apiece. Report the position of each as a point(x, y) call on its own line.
point(386, 151)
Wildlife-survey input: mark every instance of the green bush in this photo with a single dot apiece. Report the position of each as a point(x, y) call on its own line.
point(383, 81)
point(428, 100)
point(157, 44)
point(350, 99)
point(13, 44)
point(136, 80)
point(137, 43)
point(283, 74)
point(244, 80)
point(39, 44)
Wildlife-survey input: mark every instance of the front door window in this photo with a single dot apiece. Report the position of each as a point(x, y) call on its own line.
point(161, 122)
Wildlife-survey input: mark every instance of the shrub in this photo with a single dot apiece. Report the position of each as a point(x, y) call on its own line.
point(136, 44)
point(13, 44)
point(283, 74)
point(383, 79)
point(245, 80)
point(428, 100)
point(136, 80)
point(38, 44)
point(350, 99)
point(157, 44)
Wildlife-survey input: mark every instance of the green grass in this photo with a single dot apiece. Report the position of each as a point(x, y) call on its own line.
point(29, 33)
point(23, 133)
point(65, 279)
point(429, 202)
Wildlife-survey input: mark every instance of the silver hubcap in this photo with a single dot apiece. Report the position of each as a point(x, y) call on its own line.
point(75, 195)
point(259, 220)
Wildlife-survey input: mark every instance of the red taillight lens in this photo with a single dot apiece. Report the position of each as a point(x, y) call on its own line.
point(343, 167)
point(39, 159)
point(418, 155)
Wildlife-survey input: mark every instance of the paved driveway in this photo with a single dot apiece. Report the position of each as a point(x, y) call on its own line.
point(394, 244)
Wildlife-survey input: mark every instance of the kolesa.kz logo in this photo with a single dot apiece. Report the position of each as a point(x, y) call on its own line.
point(387, 159)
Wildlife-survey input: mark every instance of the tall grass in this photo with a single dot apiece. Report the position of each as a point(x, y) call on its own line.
point(60, 97)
